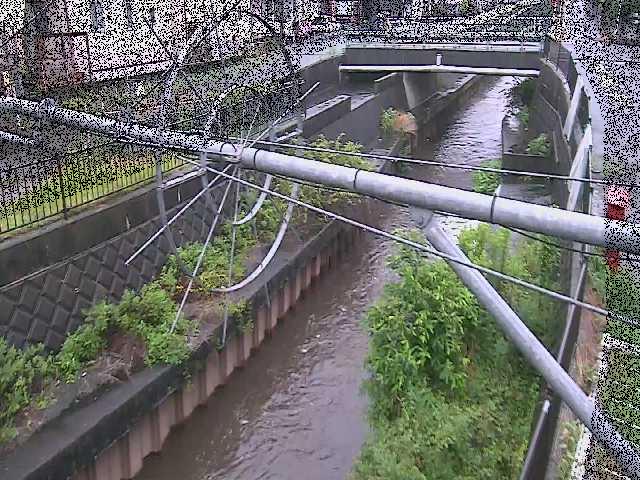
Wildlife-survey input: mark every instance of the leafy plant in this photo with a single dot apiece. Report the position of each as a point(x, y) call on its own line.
point(387, 120)
point(22, 372)
point(240, 311)
point(450, 398)
point(524, 91)
point(487, 182)
point(540, 146)
point(523, 116)
point(85, 343)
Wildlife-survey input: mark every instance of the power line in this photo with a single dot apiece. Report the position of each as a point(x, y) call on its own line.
point(459, 166)
point(390, 202)
point(418, 246)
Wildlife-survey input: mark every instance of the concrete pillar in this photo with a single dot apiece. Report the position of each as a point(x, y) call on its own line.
point(230, 353)
point(108, 464)
point(166, 418)
point(273, 313)
point(316, 266)
point(189, 399)
point(137, 445)
point(261, 325)
point(292, 290)
point(201, 382)
point(212, 372)
point(299, 280)
point(244, 346)
point(286, 298)
point(307, 275)
point(179, 408)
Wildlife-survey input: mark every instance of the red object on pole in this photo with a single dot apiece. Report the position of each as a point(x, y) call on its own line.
point(617, 202)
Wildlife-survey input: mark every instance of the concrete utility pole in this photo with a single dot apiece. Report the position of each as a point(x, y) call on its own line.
point(535, 352)
point(577, 227)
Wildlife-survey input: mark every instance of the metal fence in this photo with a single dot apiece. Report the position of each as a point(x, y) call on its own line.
point(32, 192)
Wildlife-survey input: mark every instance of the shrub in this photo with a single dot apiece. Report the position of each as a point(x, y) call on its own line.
point(450, 397)
point(85, 343)
point(523, 92)
point(417, 331)
point(487, 182)
point(387, 120)
point(22, 373)
point(540, 146)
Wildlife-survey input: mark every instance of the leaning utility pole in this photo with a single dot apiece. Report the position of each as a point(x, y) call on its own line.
point(534, 351)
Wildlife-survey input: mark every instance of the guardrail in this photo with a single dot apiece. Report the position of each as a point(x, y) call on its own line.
point(32, 192)
point(576, 146)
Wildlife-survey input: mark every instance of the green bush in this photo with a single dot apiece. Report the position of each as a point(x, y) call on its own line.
point(85, 343)
point(540, 146)
point(486, 182)
point(387, 120)
point(147, 315)
point(416, 331)
point(22, 373)
point(523, 92)
point(450, 397)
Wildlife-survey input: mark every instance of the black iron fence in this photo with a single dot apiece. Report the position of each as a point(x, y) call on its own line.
point(32, 192)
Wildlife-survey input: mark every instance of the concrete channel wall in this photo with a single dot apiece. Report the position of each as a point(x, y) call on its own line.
point(551, 105)
point(109, 437)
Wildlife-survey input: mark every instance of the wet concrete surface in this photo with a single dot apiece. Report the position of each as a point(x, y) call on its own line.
point(296, 411)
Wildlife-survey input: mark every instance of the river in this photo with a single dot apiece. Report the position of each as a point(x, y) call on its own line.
point(296, 411)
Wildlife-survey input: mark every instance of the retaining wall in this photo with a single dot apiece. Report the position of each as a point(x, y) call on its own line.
point(51, 275)
point(557, 82)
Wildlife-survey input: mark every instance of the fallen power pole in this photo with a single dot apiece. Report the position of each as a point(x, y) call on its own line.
point(535, 352)
point(577, 227)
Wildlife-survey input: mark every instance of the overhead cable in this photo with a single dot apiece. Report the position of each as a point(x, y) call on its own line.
point(421, 247)
point(395, 159)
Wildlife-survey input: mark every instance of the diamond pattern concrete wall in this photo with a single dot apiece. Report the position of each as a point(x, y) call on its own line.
point(48, 305)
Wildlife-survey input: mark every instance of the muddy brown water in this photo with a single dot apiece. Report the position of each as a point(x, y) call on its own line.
point(296, 411)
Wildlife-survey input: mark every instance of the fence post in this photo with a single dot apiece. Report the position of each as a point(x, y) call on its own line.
point(61, 183)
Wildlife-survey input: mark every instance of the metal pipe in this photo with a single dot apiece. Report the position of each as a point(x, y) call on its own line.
point(527, 469)
point(511, 72)
point(573, 226)
point(536, 353)
point(17, 139)
point(578, 227)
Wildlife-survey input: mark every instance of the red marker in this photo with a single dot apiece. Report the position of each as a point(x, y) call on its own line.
point(617, 202)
